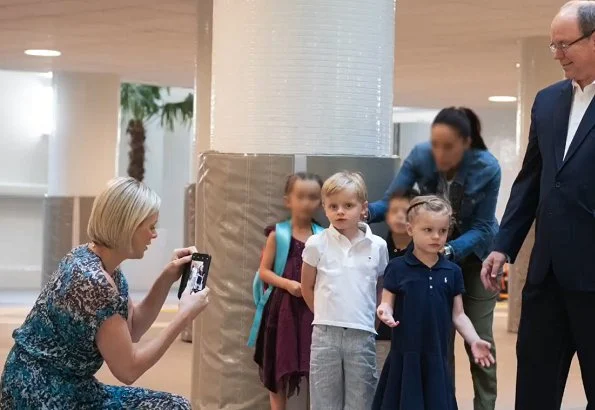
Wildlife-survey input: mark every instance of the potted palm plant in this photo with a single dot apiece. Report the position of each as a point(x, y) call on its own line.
point(143, 103)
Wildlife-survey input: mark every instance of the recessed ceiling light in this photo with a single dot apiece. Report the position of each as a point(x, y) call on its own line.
point(43, 53)
point(518, 65)
point(502, 98)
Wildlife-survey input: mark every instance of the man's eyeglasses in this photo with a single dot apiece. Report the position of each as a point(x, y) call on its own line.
point(564, 47)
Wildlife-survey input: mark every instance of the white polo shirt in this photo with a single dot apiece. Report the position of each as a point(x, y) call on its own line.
point(347, 274)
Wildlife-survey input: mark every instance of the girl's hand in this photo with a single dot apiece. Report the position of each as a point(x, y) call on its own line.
point(191, 304)
point(385, 314)
point(173, 270)
point(294, 288)
point(482, 353)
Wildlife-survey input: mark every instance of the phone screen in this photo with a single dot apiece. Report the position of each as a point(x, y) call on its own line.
point(195, 274)
point(196, 282)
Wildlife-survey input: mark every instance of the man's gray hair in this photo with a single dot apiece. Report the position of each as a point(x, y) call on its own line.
point(585, 12)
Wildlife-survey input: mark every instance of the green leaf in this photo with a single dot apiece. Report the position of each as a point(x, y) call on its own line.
point(182, 111)
point(143, 102)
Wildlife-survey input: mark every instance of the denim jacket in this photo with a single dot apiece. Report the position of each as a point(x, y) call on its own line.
point(480, 176)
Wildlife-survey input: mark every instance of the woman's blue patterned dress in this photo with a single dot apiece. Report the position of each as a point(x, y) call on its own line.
point(54, 359)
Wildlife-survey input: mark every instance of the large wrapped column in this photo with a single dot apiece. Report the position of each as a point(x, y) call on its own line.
point(237, 196)
point(538, 70)
point(82, 158)
point(286, 82)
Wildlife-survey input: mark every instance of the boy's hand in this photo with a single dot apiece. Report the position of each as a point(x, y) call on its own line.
point(482, 353)
point(385, 314)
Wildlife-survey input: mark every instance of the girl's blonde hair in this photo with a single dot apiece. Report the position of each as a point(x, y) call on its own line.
point(119, 210)
point(430, 203)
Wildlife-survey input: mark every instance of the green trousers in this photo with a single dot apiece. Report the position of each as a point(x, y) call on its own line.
point(479, 306)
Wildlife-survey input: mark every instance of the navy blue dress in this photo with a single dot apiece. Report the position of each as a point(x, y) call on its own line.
point(54, 359)
point(416, 375)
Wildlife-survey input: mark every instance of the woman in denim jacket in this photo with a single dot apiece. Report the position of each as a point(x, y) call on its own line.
point(457, 165)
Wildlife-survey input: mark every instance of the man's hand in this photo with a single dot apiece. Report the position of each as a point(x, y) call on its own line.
point(492, 270)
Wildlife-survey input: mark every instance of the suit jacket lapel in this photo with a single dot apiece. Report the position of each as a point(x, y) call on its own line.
point(561, 119)
point(586, 125)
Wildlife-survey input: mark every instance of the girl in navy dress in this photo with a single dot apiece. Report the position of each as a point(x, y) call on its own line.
point(425, 289)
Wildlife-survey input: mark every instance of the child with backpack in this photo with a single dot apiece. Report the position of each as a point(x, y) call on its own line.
point(282, 328)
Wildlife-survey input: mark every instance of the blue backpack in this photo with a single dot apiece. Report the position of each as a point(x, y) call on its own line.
point(259, 294)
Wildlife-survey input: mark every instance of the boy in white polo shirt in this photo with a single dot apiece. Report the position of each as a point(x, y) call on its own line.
point(340, 283)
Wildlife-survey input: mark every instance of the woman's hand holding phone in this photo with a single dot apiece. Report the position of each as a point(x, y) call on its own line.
point(192, 304)
point(180, 258)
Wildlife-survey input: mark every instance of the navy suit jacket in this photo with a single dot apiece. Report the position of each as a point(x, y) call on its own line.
point(557, 192)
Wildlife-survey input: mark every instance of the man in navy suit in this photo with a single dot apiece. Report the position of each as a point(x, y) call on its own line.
point(556, 188)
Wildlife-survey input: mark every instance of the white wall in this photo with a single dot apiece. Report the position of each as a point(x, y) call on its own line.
point(26, 113)
point(24, 118)
point(499, 125)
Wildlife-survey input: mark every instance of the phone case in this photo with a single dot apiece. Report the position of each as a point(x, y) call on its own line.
point(195, 273)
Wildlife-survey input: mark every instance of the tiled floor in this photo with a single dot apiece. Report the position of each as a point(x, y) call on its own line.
point(172, 373)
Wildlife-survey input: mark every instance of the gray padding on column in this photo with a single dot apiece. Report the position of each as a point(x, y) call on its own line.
point(378, 172)
point(57, 233)
point(85, 207)
point(237, 196)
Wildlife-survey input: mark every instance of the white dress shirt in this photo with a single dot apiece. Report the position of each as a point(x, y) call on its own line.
point(580, 102)
point(346, 278)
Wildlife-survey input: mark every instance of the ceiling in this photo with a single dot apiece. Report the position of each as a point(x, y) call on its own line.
point(446, 52)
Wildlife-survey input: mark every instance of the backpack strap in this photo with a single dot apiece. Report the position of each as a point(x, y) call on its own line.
point(261, 297)
point(283, 234)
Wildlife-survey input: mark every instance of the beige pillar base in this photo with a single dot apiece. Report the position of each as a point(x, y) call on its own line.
point(516, 282)
point(189, 238)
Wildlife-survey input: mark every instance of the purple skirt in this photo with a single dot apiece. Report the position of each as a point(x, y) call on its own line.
point(282, 349)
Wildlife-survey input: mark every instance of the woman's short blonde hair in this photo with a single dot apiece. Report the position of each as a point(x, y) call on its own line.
point(345, 180)
point(119, 210)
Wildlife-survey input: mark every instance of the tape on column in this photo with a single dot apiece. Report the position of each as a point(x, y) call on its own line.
point(300, 163)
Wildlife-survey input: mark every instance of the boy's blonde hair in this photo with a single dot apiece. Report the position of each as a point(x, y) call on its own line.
point(346, 180)
point(430, 203)
point(119, 210)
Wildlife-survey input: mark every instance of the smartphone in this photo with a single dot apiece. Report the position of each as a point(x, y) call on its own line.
point(195, 274)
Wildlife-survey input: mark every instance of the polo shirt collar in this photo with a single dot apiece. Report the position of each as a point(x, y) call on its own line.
point(364, 227)
point(412, 260)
